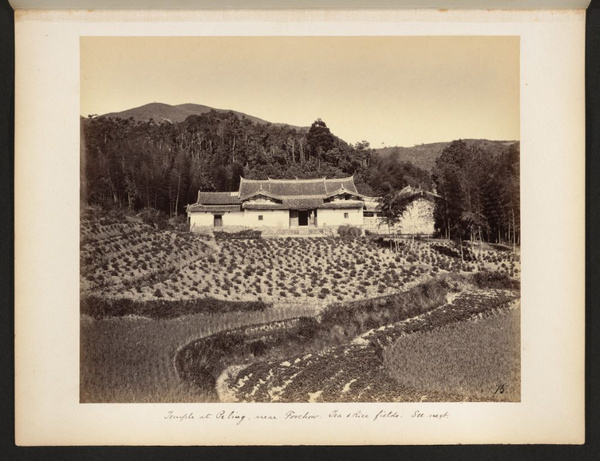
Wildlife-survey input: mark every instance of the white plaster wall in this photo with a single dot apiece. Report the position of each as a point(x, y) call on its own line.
point(417, 220)
point(328, 217)
point(374, 224)
point(235, 218)
point(200, 219)
point(203, 219)
point(271, 218)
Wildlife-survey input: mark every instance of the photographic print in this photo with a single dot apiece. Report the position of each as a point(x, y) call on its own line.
point(300, 219)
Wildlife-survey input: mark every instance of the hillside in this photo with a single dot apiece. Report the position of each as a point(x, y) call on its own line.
point(228, 312)
point(158, 111)
point(425, 155)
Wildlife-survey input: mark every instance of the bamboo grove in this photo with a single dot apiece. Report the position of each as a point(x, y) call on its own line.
point(146, 164)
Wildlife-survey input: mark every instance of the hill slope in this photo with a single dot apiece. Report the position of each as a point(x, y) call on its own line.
point(175, 114)
point(425, 155)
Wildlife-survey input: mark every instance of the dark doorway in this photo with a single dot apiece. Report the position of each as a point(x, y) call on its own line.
point(303, 218)
point(218, 220)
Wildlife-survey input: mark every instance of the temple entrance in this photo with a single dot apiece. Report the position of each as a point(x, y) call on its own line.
point(303, 218)
point(218, 220)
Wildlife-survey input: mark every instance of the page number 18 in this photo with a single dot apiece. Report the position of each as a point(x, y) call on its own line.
point(499, 389)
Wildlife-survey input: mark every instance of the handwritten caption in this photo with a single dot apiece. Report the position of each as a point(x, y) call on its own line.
point(237, 417)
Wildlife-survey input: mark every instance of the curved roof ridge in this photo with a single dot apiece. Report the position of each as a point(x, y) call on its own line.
point(324, 178)
point(261, 191)
point(295, 180)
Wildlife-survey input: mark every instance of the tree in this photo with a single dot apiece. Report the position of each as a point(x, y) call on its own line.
point(393, 206)
point(319, 139)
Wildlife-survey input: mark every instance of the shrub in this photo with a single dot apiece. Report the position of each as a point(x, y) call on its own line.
point(243, 234)
point(307, 327)
point(487, 279)
point(154, 218)
point(258, 348)
point(349, 232)
point(100, 307)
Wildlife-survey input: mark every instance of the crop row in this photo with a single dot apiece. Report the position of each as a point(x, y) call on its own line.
point(355, 372)
point(320, 270)
point(137, 258)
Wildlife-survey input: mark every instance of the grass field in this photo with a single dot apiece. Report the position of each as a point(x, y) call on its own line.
point(131, 359)
point(480, 360)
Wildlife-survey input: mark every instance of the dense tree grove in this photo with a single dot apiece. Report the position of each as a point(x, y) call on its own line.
point(147, 164)
point(162, 166)
point(480, 194)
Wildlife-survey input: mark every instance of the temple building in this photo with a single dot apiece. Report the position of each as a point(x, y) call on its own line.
point(287, 205)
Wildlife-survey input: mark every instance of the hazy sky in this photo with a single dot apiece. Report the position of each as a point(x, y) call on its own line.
point(386, 90)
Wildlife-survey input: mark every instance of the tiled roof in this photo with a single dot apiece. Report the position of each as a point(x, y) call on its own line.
point(293, 203)
point(343, 204)
point(415, 193)
point(260, 192)
point(296, 187)
point(218, 198)
point(303, 204)
point(265, 206)
point(214, 208)
point(337, 183)
point(341, 191)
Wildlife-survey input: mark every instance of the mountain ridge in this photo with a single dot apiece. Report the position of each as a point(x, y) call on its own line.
point(425, 155)
point(159, 111)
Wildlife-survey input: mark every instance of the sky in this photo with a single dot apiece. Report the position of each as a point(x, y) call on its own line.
point(389, 91)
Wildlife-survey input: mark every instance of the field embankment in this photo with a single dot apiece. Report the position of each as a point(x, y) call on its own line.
point(338, 356)
point(165, 313)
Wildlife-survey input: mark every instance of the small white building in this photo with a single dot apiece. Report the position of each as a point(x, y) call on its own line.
point(283, 204)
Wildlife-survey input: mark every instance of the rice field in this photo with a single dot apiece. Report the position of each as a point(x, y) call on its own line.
point(131, 359)
point(367, 369)
point(480, 360)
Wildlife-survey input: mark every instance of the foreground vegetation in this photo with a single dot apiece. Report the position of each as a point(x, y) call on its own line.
point(131, 359)
point(478, 360)
point(173, 317)
point(340, 355)
point(131, 260)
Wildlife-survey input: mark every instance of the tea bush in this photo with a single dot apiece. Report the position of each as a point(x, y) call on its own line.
point(241, 235)
point(349, 232)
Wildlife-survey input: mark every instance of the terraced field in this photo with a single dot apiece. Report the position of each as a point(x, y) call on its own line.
point(133, 260)
point(132, 359)
point(364, 371)
point(122, 258)
point(176, 317)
